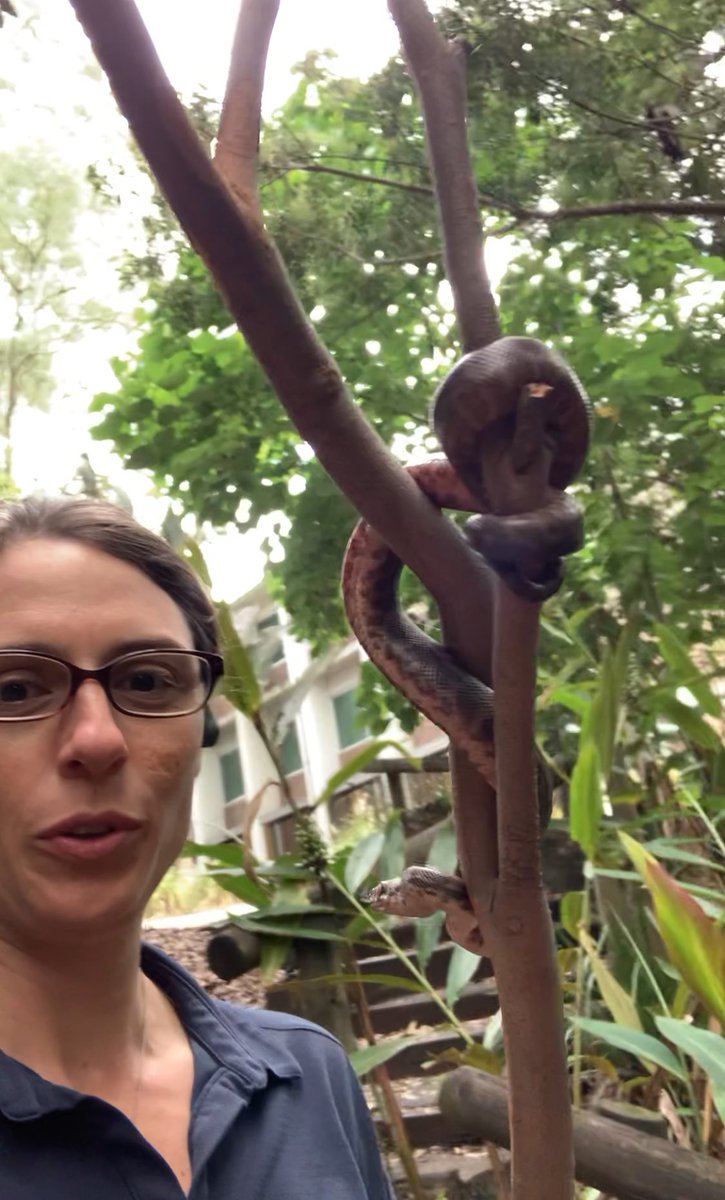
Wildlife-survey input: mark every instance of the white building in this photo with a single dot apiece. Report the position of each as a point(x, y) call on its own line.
point(325, 733)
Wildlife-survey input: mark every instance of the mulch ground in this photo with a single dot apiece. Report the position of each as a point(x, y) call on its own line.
point(188, 947)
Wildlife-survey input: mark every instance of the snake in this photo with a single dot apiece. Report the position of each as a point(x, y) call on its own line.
point(519, 390)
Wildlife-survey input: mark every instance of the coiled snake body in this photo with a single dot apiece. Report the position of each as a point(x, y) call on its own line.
point(518, 390)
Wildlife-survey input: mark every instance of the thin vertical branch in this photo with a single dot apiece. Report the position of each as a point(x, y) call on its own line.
point(239, 126)
point(510, 906)
point(439, 69)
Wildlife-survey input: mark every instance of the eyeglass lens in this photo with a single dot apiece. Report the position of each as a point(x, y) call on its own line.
point(160, 684)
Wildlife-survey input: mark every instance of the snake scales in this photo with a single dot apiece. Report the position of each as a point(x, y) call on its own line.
point(520, 391)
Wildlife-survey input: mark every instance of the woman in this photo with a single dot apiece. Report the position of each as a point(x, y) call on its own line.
point(119, 1076)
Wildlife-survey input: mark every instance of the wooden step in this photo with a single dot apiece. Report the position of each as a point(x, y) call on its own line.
point(426, 1126)
point(476, 1000)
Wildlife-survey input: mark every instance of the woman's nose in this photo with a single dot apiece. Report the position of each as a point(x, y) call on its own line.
point(93, 741)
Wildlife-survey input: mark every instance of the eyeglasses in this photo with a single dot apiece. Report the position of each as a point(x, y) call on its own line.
point(148, 683)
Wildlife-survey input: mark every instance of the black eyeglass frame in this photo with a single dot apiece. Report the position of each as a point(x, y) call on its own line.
point(102, 675)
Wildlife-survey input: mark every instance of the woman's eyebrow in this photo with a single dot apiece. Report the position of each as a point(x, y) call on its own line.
point(127, 646)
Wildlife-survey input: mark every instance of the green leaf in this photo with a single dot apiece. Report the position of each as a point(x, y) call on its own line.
point(443, 853)
point(358, 763)
point(369, 1057)
point(577, 702)
point(275, 929)
point(400, 982)
point(677, 657)
point(428, 931)
point(664, 848)
point(620, 1003)
point(477, 1056)
point(695, 942)
point(392, 858)
point(362, 859)
point(461, 969)
point(275, 910)
point(707, 1049)
point(646, 1048)
point(571, 909)
point(689, 722)
point(241, 886)
point(585, 804)
point(602, 718)
point(229, 853)
point(240, 684)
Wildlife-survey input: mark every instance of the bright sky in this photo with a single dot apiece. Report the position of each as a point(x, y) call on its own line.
point(53, 75)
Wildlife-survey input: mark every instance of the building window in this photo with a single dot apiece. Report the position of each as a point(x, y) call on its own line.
point(269, 640)
point(290, 753)
point(350, 727)
point(232, 778)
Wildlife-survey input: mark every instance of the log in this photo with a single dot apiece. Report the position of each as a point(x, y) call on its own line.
point(622, 1163)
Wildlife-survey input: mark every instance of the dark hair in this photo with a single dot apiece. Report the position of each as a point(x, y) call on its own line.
point(111, 529)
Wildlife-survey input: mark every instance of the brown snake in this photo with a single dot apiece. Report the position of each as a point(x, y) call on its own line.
point(522, 391)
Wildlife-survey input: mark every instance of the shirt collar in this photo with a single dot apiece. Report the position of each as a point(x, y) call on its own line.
point(232, 1036)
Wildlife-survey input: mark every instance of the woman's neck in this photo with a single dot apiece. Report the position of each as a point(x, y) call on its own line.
point(78, 1013)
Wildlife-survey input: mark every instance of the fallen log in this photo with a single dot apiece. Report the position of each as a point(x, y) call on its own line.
point(621, 1162)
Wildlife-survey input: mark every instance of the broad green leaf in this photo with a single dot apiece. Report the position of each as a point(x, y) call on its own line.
point(362, 859)
point(461, 969)
point(229, 853)
point(689, 722)
point(369, 1057)
point(677, 657)
point(599, 1063)
point(575, 701)
point(428, 932)
point(285, 866)
point(392, 857)
point(358, 763)
point(570, 912)
point(401, 982)
point(663, 848)
point(602, 718)
point(240, 684)
point(276, 929)
point(241, 886)
point(276, 910)
point(443, 854)
point(695, 942)
point(707, 1049)
point(648, 1049)
point(620, 1003)
point(585, 800)
point(472, 1056)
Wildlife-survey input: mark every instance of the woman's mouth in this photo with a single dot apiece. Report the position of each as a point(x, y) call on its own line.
point(89, 837)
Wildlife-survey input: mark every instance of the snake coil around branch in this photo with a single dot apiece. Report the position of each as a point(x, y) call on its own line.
point(522, 394)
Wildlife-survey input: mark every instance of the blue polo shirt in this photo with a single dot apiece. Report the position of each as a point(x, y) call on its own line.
point(276, 1114)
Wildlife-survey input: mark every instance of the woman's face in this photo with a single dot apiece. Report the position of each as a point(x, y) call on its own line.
point(87, 607)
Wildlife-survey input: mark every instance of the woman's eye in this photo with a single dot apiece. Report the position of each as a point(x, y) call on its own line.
point(20, 691)
point(147, 681)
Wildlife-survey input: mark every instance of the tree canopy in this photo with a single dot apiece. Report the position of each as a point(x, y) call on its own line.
point(570, 107)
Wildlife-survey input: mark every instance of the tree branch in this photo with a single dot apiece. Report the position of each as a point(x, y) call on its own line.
point(439, 71)
point(248, 271)
point(508, 898)
point(677, 208)
point(239, 124)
